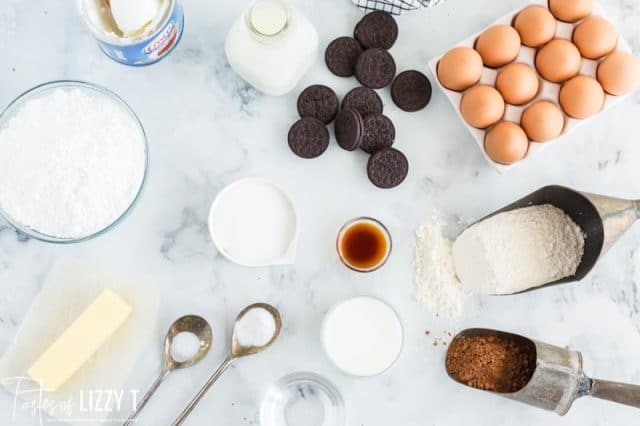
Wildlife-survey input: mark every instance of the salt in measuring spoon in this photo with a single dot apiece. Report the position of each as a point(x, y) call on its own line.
point(237, 351)
point(193, 324)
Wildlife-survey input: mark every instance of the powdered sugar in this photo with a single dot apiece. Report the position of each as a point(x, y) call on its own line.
point(517, 250)
point(437, 288)
point(73, 160)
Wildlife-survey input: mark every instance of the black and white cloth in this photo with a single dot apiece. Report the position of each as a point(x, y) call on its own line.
point(395, 7)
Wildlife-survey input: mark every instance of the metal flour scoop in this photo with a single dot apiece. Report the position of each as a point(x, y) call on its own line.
point(558, 379)
point(602, 219)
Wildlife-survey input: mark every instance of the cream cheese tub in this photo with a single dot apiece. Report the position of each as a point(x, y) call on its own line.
point(158, 35)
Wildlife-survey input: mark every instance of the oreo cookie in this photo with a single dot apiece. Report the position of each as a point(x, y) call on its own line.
point(348, 129)
point(364, 100)
point(411, 91)
point(308, 137)
point(377, 30)
point(341, 56)
point(378, 133)
point(319, 102)
point(387, 168)
point(375, 68)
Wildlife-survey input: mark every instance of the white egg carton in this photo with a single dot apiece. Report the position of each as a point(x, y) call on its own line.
point(548, 91)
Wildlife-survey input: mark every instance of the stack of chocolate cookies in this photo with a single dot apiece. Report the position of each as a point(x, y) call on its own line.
point(359, 121)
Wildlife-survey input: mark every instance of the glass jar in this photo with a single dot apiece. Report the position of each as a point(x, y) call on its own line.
point(271, 46)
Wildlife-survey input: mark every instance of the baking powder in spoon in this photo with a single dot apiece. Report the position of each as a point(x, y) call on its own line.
point(256, 328)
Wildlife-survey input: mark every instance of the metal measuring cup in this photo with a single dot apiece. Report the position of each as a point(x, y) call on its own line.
point(558, 379)
point(602, 219)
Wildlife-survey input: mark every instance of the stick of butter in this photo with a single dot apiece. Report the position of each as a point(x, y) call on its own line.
point(73, 348)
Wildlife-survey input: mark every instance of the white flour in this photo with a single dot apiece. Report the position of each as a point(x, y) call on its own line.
point(437, 288)
point(518, 250)
point(72, 162)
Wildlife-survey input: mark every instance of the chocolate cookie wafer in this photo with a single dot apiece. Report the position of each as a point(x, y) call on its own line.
point(319, 102)
point(341, 56)
point(379, 133)
point(308, 137)
point(375, 68)
point(387, 168)
point(349, 129)
point(411, 91)
point(364, 100)
point(377, 29)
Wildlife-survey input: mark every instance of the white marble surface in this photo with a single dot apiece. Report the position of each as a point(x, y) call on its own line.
point(207, 128)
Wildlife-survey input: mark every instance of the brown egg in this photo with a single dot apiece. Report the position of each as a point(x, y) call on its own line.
point(581, 97)
point(517, 83)
point(619, 73)
point(460, 68)
point(558, 61)
point(498, 45)
point(536, 26)
point(482, 106)
point(595, 37)
point(571, 10)
point(542, 121)
point(506, 143)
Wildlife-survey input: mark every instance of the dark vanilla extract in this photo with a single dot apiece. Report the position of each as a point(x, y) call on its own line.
point(364, 245)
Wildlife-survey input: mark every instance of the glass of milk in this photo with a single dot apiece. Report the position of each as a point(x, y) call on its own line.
point(271, 46)
point(362, 336)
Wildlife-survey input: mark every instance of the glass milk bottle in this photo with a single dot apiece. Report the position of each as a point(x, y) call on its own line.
point(271, 46)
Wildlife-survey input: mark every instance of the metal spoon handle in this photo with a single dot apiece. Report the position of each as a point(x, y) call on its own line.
point(621, 393)
point(216, 375)
point(147, 396)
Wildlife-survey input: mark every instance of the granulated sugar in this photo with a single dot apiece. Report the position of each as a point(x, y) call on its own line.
point(518, 250)
point(437, 288)
point(72, 161)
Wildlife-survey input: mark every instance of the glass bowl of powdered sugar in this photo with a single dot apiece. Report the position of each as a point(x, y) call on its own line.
point(74, 161)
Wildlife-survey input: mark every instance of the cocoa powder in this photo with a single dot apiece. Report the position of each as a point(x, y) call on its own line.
point(491, 362)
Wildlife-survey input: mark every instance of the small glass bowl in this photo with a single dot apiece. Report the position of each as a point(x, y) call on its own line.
point(302, 399)
point(37, 90)
point(377, 224)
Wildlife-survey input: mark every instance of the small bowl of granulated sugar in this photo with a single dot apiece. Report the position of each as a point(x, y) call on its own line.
point(73, 161)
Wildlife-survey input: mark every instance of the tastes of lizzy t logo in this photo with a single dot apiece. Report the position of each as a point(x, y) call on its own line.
point(95, 405)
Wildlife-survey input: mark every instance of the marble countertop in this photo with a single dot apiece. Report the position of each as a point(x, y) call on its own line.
point(206, 128)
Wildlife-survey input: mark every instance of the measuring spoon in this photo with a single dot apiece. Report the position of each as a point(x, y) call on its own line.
point(237, 351)
point(603, 220)
point(193, 324)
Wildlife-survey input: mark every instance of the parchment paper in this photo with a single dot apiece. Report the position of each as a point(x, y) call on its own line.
point(88, 397)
